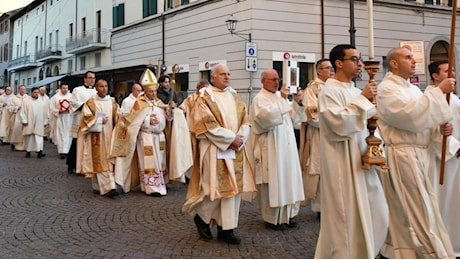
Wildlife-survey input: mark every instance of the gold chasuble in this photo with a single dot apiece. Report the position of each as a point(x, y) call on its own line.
point(225, 183)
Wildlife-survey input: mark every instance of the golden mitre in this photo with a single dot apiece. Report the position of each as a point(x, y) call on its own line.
point(148, 80)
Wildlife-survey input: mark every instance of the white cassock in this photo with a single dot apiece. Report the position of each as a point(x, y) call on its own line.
point(46, 102)
point(407, 122)
point(127, 104)
point(309, 144)
point(60, 109)
point(354, 222)
point(275, 158)
point(448, 194)
point(34, 115)
point(5, 121)
point(16, 135)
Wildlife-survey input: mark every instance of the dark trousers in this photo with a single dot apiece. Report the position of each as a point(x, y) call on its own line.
point(71, 160)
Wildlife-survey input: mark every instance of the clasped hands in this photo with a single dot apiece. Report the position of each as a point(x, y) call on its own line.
point(237, 143)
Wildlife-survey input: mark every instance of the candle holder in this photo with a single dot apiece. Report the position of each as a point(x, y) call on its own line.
point(374, 153)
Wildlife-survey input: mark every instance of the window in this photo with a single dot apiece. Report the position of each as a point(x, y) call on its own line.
point(36, 43)
point(83, 26)
point(25, 48)
point(5, 52)
point(6, 25)
point(69, 66)
point(149, 7)
point(27, 18)
point(56, 35)
point(71, 30)
point(97, 58)
point(17, 51)
point(51, 2)
point(38, 11)
point(50, 40)
point(118, 15)
point(1, 28)
point(29, 81)
point(82, 63)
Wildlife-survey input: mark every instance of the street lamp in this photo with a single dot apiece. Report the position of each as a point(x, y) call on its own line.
point(231, 27)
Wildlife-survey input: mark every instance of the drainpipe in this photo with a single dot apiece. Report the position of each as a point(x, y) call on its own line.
point(322, 29)
point(163, 38)
point(352, 23)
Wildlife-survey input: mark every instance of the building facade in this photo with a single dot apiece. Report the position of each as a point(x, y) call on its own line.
point(118, 39)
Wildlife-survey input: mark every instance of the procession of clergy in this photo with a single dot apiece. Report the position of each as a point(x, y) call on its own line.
point(149, 143)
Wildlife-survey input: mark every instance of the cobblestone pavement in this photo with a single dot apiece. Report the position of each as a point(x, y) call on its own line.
point(47, 213)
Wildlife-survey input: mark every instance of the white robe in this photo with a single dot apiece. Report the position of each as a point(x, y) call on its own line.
point(34, 115)
point(275, 158)
point(448, 194)
point(127, 104)
point(79, 96)
point(354, 222)
point(63, 121)
point(407, 120)
point(311, 168)
point(5, 121)
point(46, 103)
point(16, 135)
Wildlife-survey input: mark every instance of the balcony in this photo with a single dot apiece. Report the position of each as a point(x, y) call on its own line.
point(89, 41)
point(49, 54)
point(22, 63)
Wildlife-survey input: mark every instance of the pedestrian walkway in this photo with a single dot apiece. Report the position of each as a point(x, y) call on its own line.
point(47, 213)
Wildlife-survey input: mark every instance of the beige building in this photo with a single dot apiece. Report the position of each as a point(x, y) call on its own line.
point(118, 39)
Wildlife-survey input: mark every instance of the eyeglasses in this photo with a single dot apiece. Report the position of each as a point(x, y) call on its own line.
point(354, 59)
point(326, 68)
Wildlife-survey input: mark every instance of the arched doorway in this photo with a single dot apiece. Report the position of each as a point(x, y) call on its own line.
point(439, 51)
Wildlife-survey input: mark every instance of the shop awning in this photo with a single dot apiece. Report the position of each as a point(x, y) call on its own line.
point(46, 81)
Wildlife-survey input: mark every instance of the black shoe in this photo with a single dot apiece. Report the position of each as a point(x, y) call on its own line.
point(97, 192)
point(227, 236)
point(62, 156)
point(70, 170)
point(155, 194)
point(40, 154)
point(275, 227)
point(318, 215)
point(113, 193)
point(292, 223)
point(12, 146)
point(27, 154)
point(203, 228)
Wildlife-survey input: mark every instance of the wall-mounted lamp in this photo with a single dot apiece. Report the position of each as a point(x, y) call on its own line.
point(231, 27)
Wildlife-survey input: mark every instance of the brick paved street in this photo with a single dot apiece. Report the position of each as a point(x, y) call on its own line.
point(46, 213)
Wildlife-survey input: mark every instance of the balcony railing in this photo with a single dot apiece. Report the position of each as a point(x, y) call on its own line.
point(22, 63)
point(89, 41)
point(49, 54)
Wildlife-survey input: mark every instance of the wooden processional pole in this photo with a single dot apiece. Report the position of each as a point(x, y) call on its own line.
point(449, 72)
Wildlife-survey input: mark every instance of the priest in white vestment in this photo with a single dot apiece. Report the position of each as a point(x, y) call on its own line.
point(46, 102)
point(128, 102)
point(448, 193)
point(5, 121)
point(354, 213)
point(79, 96)
point(221, 172)
point(17, 139)
point(408, 122)
point(34, 118)
point(309, 135)
point(60, 109)
point(98, 118)
point(274, 157)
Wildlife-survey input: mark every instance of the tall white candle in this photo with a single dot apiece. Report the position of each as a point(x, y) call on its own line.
point(370, 29)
